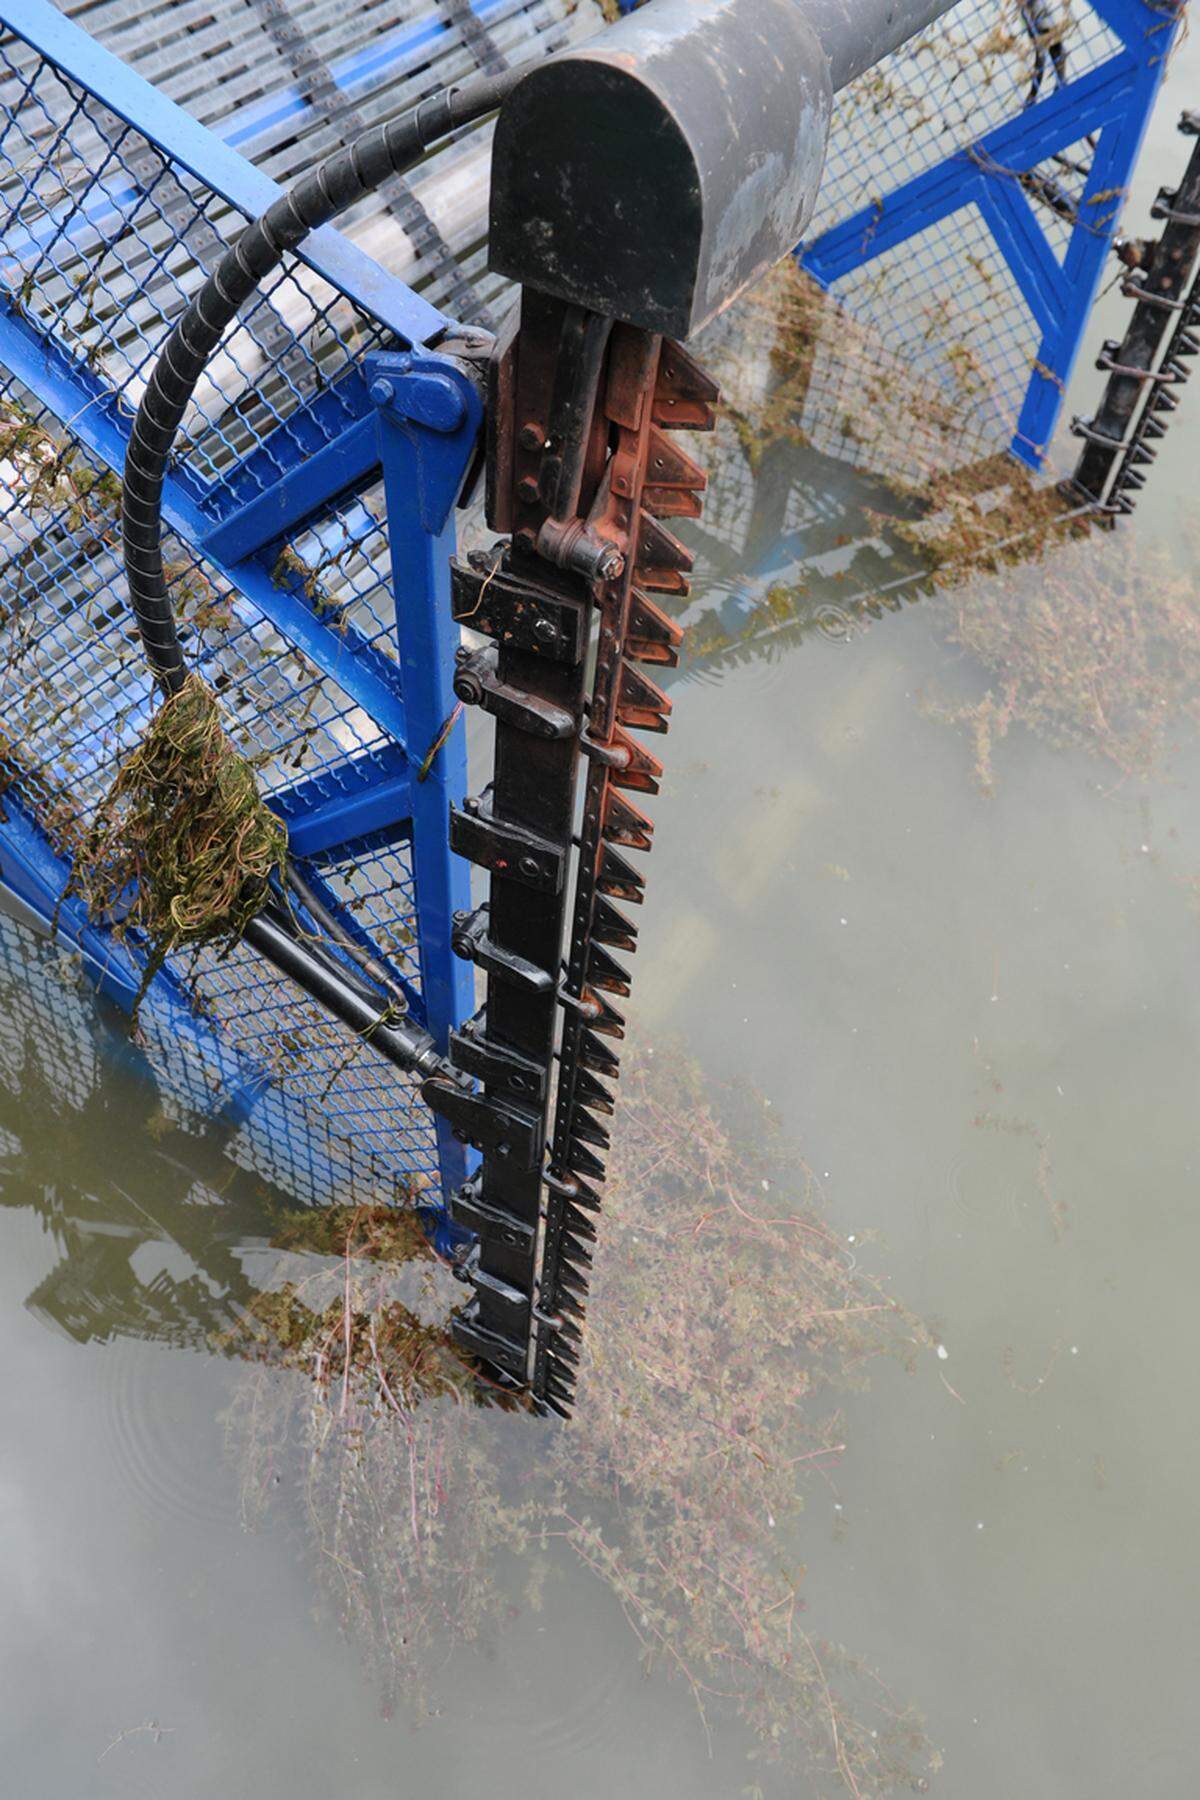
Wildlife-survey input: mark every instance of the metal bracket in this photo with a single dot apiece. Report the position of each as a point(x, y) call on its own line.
point(434, 402)
point(488, 1124)
point(468, 1210)
point(469, 939)
point(477, 684)
point(506, 849)
point(503, 1353)
point(502, 1068)
point(516, 613)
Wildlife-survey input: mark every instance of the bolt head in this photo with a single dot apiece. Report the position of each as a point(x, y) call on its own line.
point(546, 630)
point(382, 391)
point(529, 866)
point(527, 489)
point(531, 437)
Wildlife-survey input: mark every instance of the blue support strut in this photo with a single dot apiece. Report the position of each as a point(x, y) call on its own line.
point(1110, 105)
point(429, 418)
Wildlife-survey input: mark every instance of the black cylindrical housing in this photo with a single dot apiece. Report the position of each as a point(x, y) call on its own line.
point(653, 173)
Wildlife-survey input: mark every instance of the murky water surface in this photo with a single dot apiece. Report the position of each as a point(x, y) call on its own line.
point(941, 914)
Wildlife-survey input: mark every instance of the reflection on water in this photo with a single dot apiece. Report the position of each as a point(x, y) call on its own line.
point(924, 902)
point(724, 1309)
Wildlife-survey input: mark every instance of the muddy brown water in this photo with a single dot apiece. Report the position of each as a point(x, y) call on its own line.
point(980, 1017)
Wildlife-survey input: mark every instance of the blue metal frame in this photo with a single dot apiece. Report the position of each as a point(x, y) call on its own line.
point(1111, 103)
point(415, 417)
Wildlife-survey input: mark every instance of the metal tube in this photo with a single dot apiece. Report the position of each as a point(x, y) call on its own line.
point(856, 34)
point(654, 172)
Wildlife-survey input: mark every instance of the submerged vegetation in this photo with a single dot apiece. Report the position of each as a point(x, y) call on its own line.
point(724, 1312)
point(1091, 640)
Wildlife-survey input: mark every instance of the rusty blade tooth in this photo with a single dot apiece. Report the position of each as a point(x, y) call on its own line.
point(603, 971)
point(624, 823)
point(581, 1161)
point(641, 703)
point(662, 561)
point(684, 396)
point(641, 769)
point(586, 1197)
point(674, 483)
point(564, 1351)
point(559, 1381)
point(650, 636)
point(590, 1092)
point(568, 1339)
point(608, 1021)
point(567, 1303)
point(560, 1394)
point(557, 1406)
point(616, 877)
point(610, 926)
point(590, 1130)
point(579, 1224)
point(595, 1055)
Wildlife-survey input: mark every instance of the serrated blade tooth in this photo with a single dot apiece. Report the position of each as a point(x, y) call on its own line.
point(603, 971)
point(572, 1281)
point(590, 1092)
point(610, 926)
point(624, 823)
point(581, 1160)
point(557, 1407)
point(577, 1253)
point(618, 878)
point(590, 1130)
point(641, 703)
point(602, 1015)
point(650, 635)
point(586, 1196)
point(662, 561)
point(640, 771)
point(594, 1054)
point(684, 396)
point(674, 483)
point(579, 1223)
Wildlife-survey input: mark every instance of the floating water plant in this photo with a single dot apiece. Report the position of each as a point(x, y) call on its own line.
point(182, 847)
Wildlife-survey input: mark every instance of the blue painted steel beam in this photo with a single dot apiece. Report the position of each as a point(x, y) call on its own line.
point(34, 872)
point(306, 489)
point(1111, 104)
point(367, 796)
point(429, 414)
point(203, 154)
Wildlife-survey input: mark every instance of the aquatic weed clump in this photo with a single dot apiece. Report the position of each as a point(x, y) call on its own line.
point(182, 847)
point(723, 1310)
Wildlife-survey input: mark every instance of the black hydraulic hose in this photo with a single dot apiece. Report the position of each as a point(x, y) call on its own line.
point(400, 1041)
point(337, 183)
